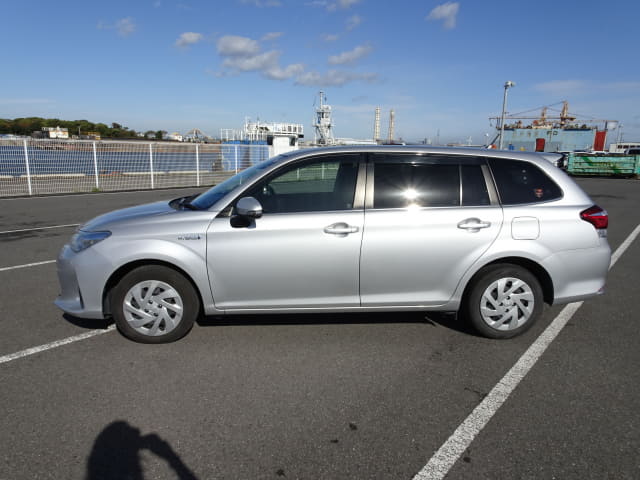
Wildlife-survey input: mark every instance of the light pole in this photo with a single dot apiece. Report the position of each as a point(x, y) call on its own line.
point(507, 85)
point(619, 139)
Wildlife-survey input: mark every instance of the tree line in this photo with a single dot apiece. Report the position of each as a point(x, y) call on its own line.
point(26, 126)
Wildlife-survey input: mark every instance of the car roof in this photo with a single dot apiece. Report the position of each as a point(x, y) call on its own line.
point(424, 149)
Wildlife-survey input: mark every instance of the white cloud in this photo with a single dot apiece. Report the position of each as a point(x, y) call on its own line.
point(447, 11)
point(242, 54)
point(125, 26)
point(353, 22)
point(332, 6)
point(351, 56)
point(271, 36)
point(250, 63)
point(627, 86)
point(341, 4)
point(334, 78)
point(330, 37)
point(567, 88)
point(262, 3)
point(233, 45)
point(561, 87)
point(279, 73)
point(188, 38)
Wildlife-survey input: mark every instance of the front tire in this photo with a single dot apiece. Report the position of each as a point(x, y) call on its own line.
point(154, 304)
point(504, 301)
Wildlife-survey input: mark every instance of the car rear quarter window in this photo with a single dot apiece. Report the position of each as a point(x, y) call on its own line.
point(519, 182)
point(412, 184)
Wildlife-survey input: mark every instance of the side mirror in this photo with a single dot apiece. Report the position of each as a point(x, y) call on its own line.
point(249, 207)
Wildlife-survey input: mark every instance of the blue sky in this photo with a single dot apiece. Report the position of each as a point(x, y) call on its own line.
point(179, 64)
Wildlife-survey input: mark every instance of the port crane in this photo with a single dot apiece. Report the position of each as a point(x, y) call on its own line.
point(544, 120)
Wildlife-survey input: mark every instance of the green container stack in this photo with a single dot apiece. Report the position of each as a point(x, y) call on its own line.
point(603, 165)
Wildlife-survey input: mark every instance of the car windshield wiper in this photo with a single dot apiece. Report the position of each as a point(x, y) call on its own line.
point(184, 202)
point(188, 205)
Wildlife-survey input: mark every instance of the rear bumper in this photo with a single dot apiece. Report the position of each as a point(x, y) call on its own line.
point(579, 274)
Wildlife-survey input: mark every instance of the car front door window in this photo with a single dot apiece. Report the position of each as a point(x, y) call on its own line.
point(312, 187)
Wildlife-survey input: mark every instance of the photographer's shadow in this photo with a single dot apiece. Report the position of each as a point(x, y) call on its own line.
point(116, 454)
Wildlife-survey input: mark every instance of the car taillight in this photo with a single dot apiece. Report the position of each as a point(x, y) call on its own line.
point(596, 216)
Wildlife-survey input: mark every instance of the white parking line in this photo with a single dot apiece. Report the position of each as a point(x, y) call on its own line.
point(57, 343)
point(40, 228)
point(4, 269)
point(447, 455)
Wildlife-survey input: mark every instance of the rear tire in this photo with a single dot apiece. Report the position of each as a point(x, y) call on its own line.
point(154, 304)
point(503, 301)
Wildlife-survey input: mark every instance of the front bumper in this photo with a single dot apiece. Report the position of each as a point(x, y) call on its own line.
point(71, 299)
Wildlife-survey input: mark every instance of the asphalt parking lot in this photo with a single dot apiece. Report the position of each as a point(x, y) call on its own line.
point(355, 396)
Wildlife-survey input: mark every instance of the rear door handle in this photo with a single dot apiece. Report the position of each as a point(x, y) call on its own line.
point(473, 224)
point(340, 228)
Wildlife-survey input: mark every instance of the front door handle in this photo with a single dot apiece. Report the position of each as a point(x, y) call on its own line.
point(473, 224)
point(340, 228)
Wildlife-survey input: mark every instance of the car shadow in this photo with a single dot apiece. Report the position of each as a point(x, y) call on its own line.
point(448, 320)
point(88, 323)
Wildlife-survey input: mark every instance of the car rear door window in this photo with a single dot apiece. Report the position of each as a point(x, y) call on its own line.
point(474, 186)
point(413, 184)
point(520, 182)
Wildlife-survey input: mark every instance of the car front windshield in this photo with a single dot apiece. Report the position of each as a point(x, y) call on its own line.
point(210, 197)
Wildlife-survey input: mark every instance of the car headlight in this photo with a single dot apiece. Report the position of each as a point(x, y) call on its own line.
point(83, 240)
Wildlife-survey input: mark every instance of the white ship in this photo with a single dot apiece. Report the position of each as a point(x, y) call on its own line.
point(281, 137)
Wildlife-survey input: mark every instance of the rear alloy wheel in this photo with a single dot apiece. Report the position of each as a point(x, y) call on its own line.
point(154, 304)
point(504, 301)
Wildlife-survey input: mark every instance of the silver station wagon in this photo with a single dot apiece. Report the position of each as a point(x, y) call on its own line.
point(492, 235)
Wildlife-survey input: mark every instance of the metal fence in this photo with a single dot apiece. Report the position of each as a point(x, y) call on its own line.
point(40, 167)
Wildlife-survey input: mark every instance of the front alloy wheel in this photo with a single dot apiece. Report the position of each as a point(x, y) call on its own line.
point(153, 308)
point(154, 304)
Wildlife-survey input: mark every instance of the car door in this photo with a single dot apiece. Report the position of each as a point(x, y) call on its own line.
point(304, 250)
point(427, 220)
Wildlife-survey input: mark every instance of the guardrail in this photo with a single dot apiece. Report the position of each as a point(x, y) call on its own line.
point(40, 167)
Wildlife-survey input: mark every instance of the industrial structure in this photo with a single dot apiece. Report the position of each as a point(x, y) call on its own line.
point(561, 132)
point(392, 126)
point(323, 123)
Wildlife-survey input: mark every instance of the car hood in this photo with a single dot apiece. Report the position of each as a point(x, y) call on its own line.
point(104, 222)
